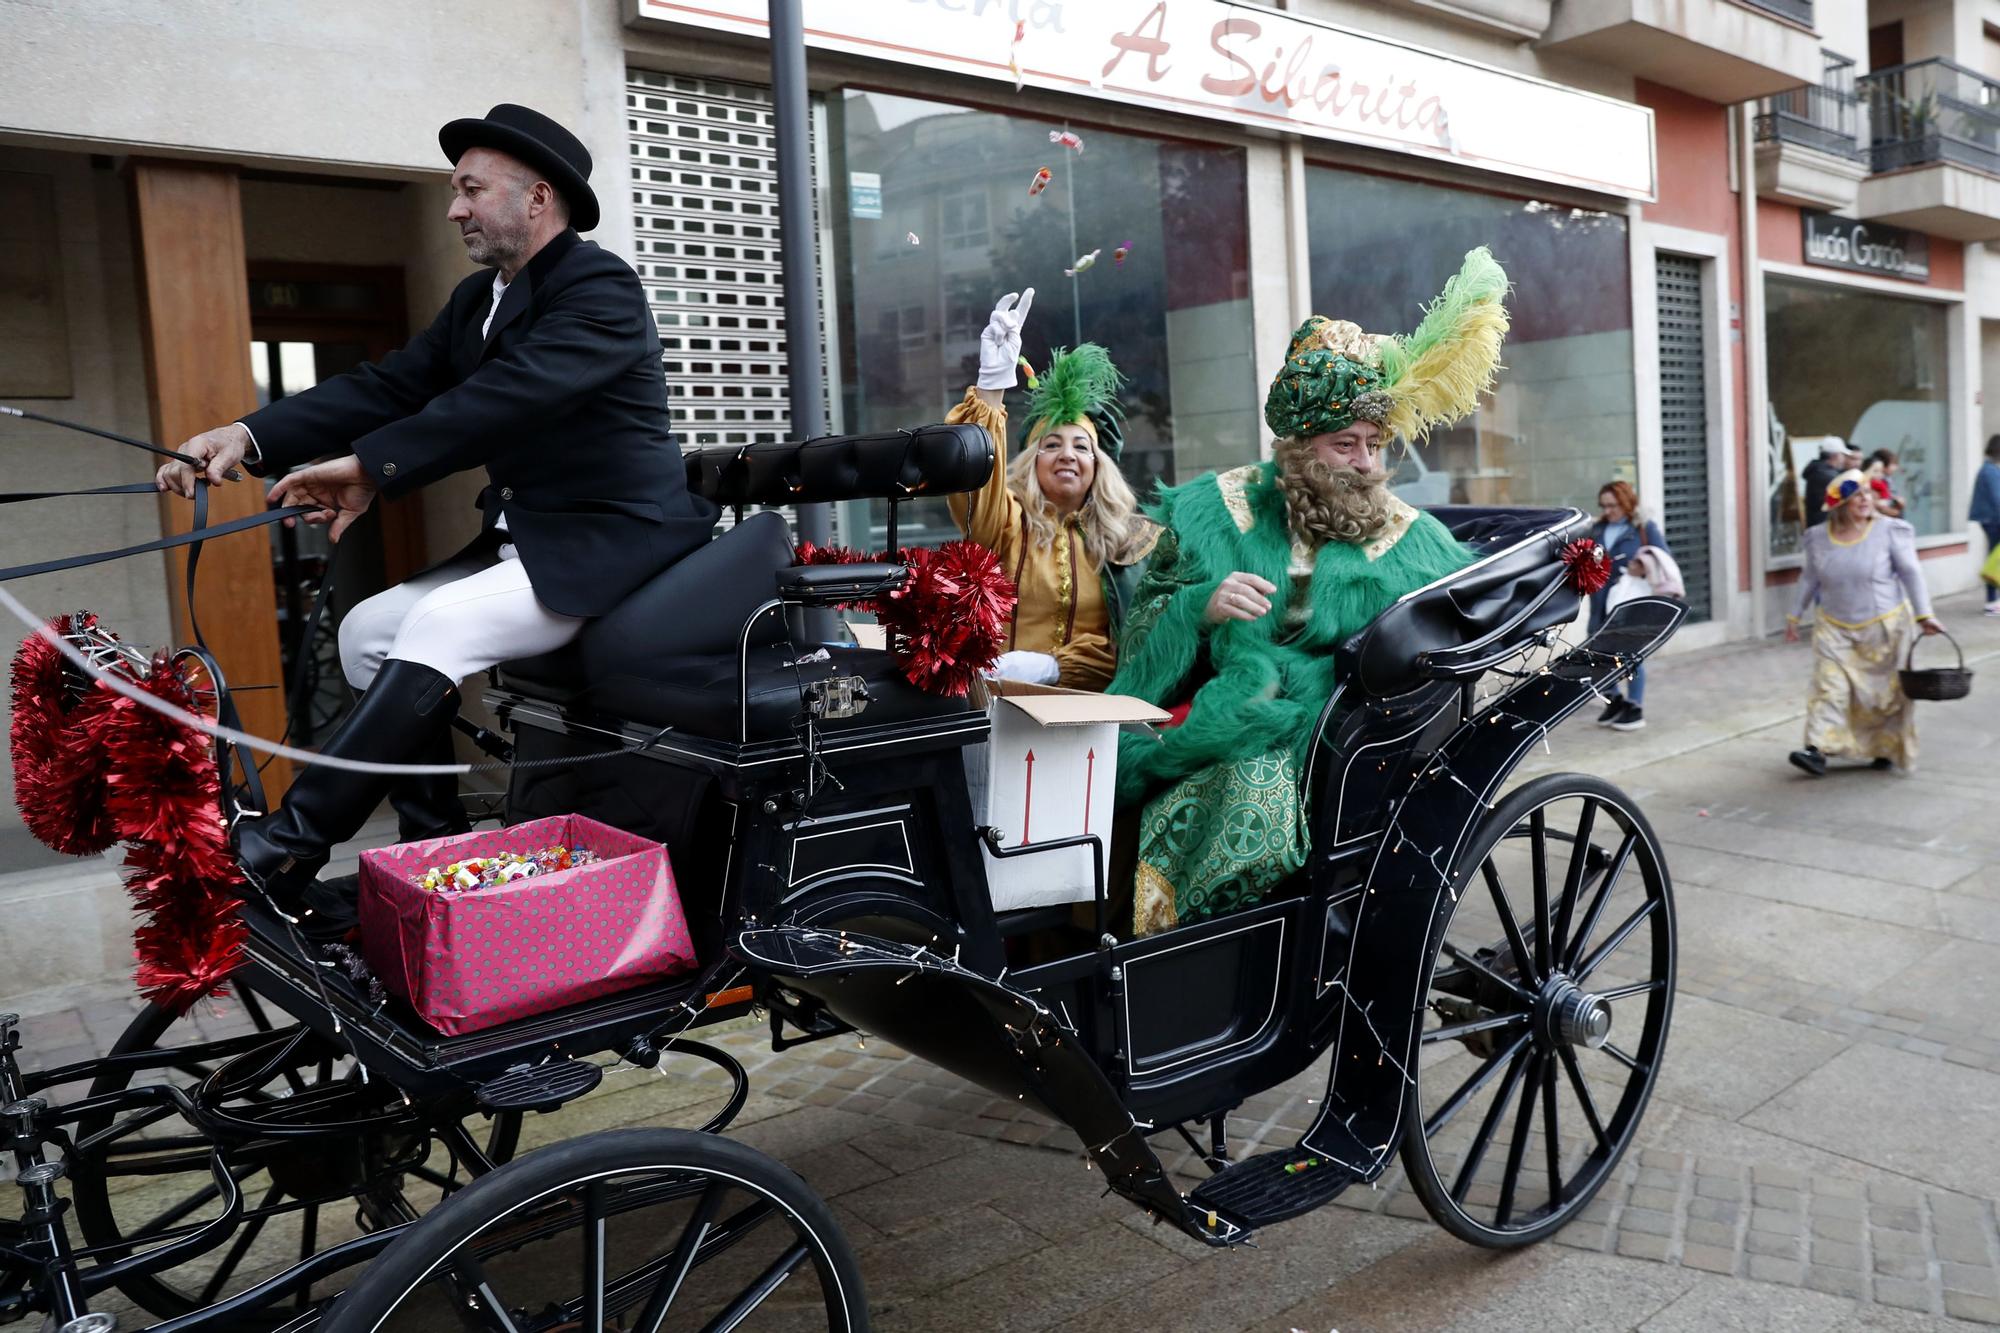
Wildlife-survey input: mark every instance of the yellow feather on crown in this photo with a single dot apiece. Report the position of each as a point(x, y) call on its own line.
point(1437, 374)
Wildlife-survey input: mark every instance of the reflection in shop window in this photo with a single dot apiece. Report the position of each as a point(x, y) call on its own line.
point(1561, 420)
point(1175, 314)
point(1869, 368)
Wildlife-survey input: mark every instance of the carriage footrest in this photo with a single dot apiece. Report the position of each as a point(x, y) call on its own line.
point(1272, 1186)
point(541, 1087)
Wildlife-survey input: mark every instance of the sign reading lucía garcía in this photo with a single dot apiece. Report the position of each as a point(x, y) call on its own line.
point(1866, 247)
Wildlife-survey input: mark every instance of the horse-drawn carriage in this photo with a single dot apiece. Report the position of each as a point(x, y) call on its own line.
point(1486, 977)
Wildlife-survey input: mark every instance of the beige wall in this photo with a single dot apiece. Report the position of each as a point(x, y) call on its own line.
point(109, 390)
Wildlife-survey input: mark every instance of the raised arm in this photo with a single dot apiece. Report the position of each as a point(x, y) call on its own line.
point(988, 514)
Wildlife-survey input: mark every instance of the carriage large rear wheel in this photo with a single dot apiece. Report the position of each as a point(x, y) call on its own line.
point(634, 1230)
point(1547, 1001)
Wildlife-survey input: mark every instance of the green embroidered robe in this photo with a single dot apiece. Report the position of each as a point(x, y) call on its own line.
point(1221, 822)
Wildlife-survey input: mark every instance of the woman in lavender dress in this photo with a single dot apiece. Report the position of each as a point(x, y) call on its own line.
point(1861, 567)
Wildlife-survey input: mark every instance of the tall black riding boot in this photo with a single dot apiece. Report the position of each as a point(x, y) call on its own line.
point(397, 720)
point(428, 805)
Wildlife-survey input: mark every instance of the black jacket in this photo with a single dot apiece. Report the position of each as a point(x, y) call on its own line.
point(564, 403)
point(1813, 478)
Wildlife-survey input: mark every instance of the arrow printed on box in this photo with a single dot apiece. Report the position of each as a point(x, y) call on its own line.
point(1028, 800)
point(1089, 781)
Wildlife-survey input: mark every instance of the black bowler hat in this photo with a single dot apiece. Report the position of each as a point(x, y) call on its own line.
point(538, 141)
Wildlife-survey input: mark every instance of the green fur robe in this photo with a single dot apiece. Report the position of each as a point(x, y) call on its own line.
point(1221, 822)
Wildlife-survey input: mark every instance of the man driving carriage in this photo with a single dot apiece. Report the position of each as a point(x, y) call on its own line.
point(544, 368)
point(1263, 571)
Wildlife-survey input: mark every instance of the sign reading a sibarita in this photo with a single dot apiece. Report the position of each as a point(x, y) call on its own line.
point(1236, 62)
point(1866, 247)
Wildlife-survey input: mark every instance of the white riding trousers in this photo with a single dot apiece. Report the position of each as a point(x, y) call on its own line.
point(459, 618)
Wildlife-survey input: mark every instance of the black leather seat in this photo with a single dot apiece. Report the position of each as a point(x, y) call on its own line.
point(667, 655)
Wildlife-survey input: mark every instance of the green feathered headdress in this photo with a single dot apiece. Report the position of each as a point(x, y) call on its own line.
point(1080, 385)
point(1335, 375)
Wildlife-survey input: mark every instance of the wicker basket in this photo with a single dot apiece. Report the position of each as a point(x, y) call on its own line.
point(1937, 683)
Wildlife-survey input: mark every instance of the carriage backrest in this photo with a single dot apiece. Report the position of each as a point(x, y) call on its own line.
point(1459, 625)
point(890, 465)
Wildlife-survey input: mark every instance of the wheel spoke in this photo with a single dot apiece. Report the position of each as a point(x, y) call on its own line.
point(1459, 955)
point(655, 1314)
point(1623, 1059)
point(470, 1276)
point(308, 1243)
point(1470, 1088)
point(1476, 1153)
point(244, 1240)
point(1626, 992)
point(258, 1019)
point(1589, 1102)
point(766, 1283)
point(1602, 897)
point(1522, 958)
point(201, 1198)
point(1579, 864)
point(1618, 937)
point(1524, 1120)
point(593, 1255)
point(1538, 826)
point(1457, 1030)
point(1551, 1132)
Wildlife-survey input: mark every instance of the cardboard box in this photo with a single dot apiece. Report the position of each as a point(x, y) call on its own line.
point(1049, 772)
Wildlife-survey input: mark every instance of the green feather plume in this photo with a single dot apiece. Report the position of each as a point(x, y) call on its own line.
point(1079, 382)
point(1436, 375)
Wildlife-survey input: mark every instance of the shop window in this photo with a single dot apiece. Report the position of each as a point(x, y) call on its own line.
point(1175, 314)
point(1561, 419)
point(1869, 368)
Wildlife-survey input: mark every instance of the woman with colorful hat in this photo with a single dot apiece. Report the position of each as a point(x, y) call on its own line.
point(1861, 567)
point(1261, 573)
point(1060, 517)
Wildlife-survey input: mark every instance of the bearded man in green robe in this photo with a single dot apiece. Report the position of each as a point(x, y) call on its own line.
point(1260, 573)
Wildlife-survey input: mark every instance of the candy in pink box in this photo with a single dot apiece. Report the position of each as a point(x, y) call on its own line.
point(473, 959)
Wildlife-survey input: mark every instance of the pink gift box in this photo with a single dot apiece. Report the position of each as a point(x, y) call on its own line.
point(482, 957)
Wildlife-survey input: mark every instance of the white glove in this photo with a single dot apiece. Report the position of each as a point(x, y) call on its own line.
point(1032, 668)
point(1000, 343)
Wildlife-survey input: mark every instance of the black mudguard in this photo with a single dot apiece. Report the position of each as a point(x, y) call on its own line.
point(985, 1031)
point(1411, 886)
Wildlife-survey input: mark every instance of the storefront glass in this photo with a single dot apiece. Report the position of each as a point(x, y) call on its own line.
point(1174, 311)
point(1561, 420)
point(1869, 368)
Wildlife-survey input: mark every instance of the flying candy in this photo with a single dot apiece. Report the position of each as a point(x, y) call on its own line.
point(1014, 52)
point(912, 238)
point(1083, 263)
point(1066, 139)
point(1040, 182)
point(1118, 255)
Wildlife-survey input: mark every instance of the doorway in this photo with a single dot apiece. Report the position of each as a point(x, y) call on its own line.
point(308, 323)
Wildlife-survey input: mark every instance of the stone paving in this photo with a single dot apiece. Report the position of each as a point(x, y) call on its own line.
point(1819, 1153)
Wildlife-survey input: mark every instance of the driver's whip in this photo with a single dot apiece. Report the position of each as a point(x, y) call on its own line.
point(114, 436)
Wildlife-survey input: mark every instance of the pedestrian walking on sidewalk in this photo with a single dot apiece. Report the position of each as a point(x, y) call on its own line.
point(1621, 530)
point(1862, 569)
point(1986, 513)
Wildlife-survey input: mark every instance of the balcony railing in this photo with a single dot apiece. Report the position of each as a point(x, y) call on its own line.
point(1798, 11)
point(1823, 118)
point(1932, 111)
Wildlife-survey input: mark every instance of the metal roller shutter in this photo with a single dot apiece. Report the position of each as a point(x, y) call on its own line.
point(1684, 508)
point(704, 183)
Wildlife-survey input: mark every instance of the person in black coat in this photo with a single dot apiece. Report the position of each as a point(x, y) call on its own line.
point(1833, 459)
point(544, 368)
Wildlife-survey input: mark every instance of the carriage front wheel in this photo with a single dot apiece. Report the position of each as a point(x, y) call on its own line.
point(636, 1230)
point(1547, 997)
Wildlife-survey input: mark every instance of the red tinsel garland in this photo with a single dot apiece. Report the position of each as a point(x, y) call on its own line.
point(107, 769)
point(1588, 565)
point(948, 622)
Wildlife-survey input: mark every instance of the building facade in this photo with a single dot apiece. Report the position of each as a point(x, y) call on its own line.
point(1734, 227)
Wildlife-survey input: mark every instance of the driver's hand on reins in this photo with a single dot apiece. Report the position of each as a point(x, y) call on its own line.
point(220, 450)
point(340, 489)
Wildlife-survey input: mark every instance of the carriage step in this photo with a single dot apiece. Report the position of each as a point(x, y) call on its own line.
point(539, 1087)
point(1272, 1186)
